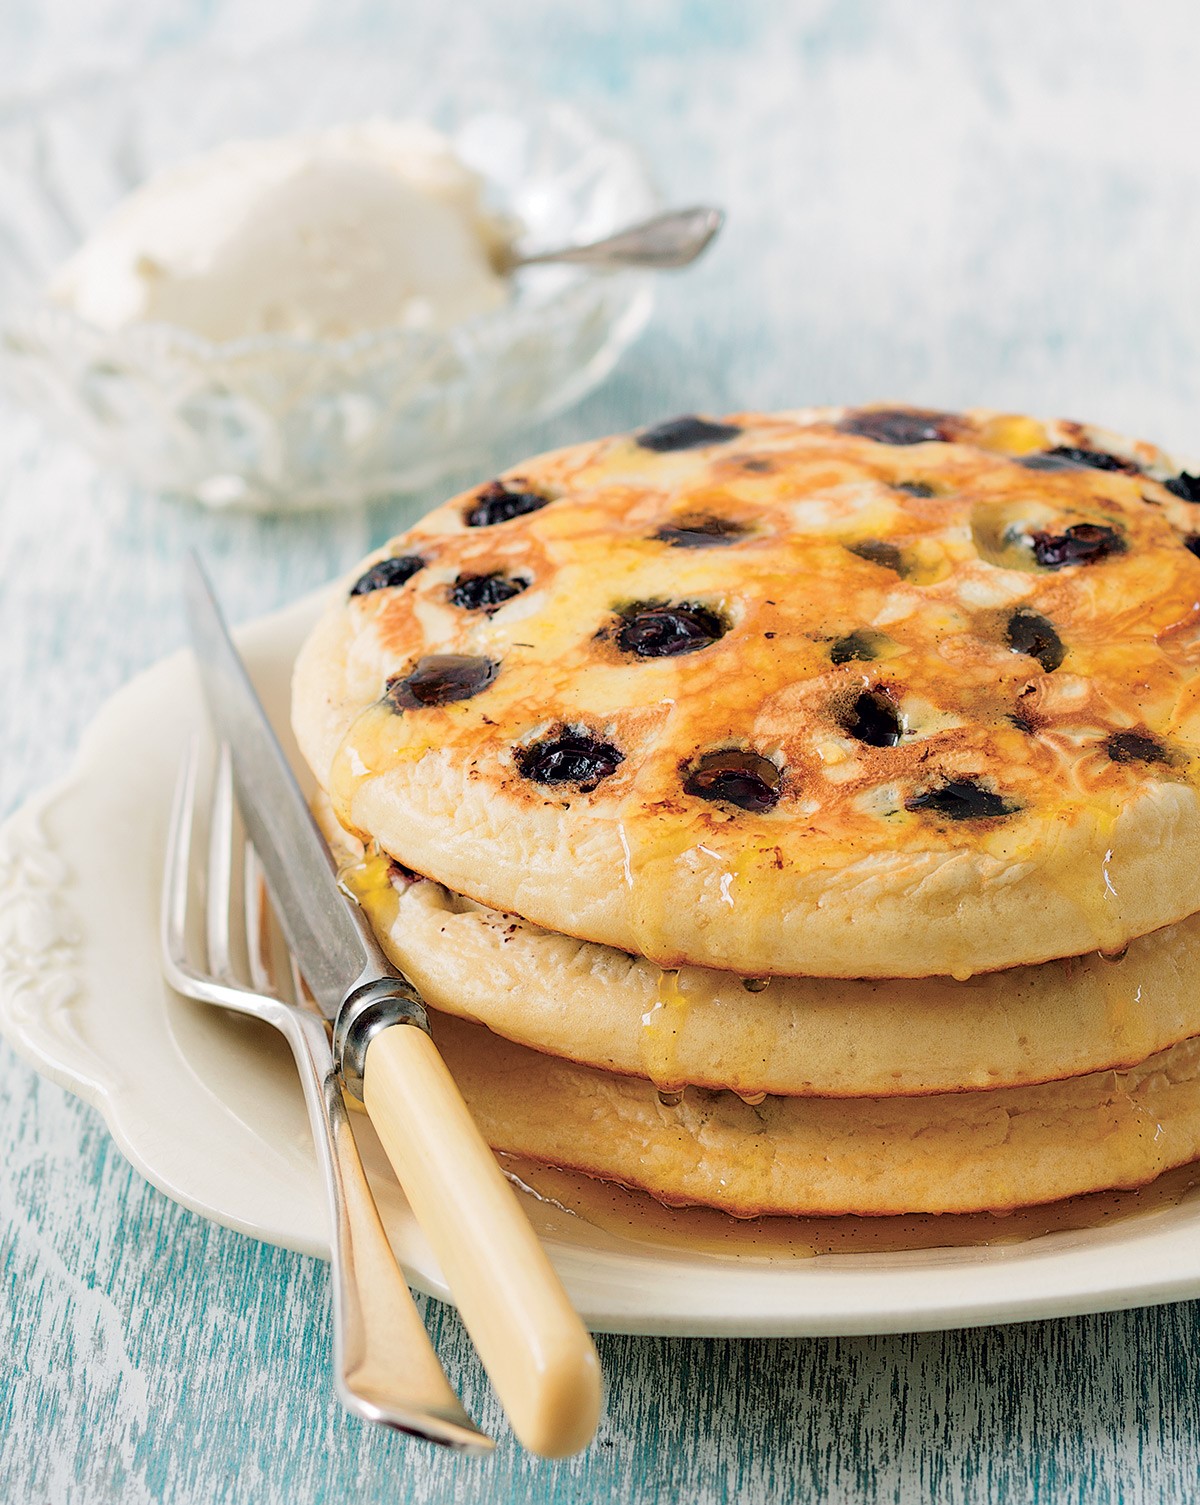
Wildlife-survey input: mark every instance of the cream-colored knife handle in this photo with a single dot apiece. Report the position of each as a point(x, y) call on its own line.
point(384, 1362)
point(538, 1353)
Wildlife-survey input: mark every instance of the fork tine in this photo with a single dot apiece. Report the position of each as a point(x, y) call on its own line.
point(271, 962)
point(256, 921)
point(220, 870)
point(299, 987)
point(177, 862)
point(179, 967)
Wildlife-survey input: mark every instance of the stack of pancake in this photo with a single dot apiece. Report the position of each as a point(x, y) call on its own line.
point(793, 813)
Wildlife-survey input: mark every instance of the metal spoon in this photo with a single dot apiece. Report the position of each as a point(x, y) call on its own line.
point(668, 240)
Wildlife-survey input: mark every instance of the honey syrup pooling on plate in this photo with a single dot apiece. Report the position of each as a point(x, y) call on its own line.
point(636, 1218)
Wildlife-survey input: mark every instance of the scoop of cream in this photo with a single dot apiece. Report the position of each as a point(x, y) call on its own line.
point(323, 235)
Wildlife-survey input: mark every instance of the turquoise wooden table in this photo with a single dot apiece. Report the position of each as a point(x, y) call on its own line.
point(948, 203)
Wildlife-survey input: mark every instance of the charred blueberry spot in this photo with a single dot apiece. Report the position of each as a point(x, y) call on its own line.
point(914, 488)
point(875, 551)
point(1030, 632)
point(571, 756)
point(1023, 722)
point(439, 679)
point(1082, 543)
point(856, 647)
point(1068, 457)
point(497, 503)
point(387, 572)
point(654, 630)
point(685, 432)
point(1185, 486)
point(960, 799)
point(900, 426)
point(873, 718)
point(701, 532)
point(735, 777)
point(1135, 747)
point(485, 592)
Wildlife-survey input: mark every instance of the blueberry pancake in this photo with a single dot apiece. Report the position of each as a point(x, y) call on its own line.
point(953, 1152)
point(870, 692)
point(786, 1036)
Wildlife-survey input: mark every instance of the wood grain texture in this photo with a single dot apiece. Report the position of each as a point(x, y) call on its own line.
point(946, 203)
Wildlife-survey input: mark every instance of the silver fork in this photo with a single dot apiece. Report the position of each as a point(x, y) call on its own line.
point(385, 1365)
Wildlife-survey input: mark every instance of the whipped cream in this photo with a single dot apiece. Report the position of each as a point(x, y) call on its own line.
point(323, 235)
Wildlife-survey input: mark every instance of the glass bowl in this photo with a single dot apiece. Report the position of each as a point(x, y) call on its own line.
point(278, 421)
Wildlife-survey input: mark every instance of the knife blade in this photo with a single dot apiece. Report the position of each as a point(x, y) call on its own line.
point(323, 923)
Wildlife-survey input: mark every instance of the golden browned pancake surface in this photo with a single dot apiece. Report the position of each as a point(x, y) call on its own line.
point(837, 692)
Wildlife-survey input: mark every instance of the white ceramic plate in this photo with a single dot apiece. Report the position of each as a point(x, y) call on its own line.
point(207, 1107)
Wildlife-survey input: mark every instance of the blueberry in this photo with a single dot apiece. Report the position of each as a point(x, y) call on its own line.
point(1082, 543)
point(875, 551)
point(1029, 632)
point(900, 426)
point(496, 503)
point(1192, 542)
point(873, 718)
point(1135, 747)
point(735, 777)
point(485, 592)
point(571, 756)
point(914, 488)
point(960, 799)
point(702, 532)
point(685, 432)
point(386, 573)
point(1068, 457)
point(855, 647)
point(439, 679)
point(1185, 486)
point(663, 631)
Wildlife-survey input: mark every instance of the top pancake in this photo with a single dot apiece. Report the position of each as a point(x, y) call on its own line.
point(838, 692)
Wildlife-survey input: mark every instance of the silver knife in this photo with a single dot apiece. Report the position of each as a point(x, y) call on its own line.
point(541, 1359)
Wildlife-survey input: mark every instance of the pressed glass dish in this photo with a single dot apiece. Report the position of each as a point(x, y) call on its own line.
point(278, 421)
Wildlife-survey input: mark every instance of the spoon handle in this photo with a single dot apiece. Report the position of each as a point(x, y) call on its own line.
point(668, 240)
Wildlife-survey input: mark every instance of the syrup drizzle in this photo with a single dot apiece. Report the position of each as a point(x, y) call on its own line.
point(662, 1024)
